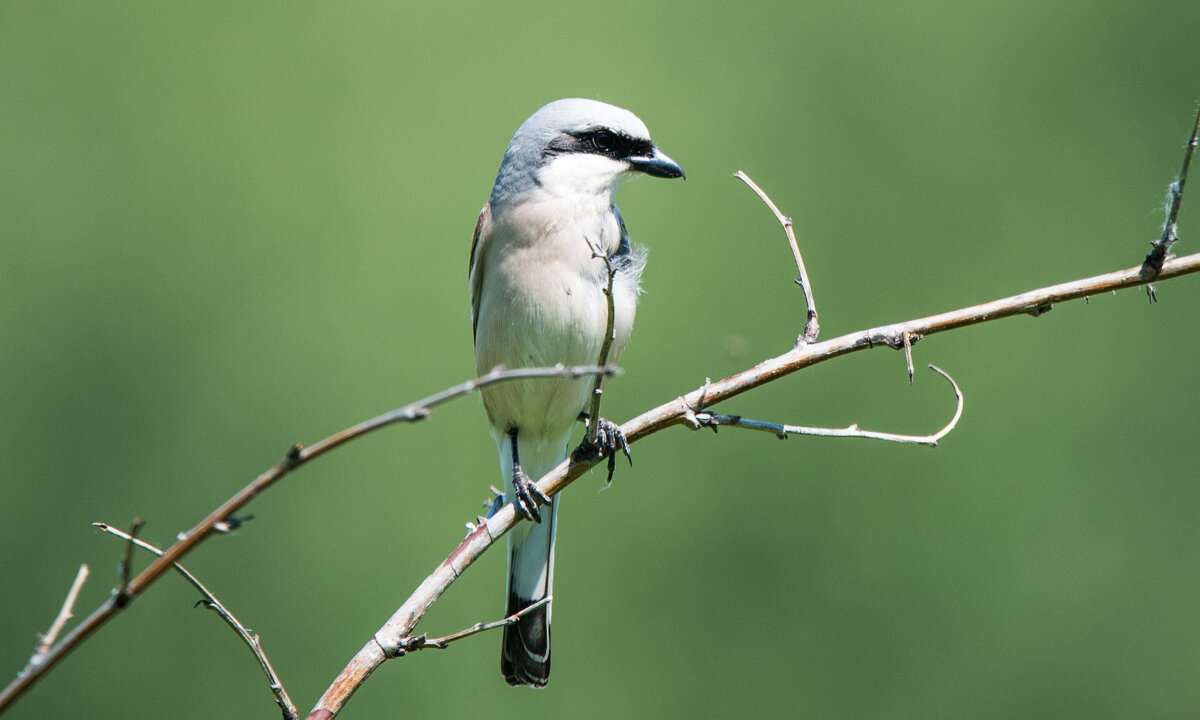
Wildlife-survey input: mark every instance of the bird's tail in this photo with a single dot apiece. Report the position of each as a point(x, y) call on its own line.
point(525, 653)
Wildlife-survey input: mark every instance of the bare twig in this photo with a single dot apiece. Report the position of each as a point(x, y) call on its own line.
point(593, 427)
point(219, 520)
point(388, 640)
point(210, 601)
point(421, 642)
point(1153, 263)
point(127, 561)
point(65, 613)
point(811, 326)
point(713, 420)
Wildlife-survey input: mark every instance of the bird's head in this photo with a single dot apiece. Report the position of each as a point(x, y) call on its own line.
point(579, 146)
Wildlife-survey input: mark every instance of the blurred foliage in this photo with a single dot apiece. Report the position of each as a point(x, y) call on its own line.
point(227, 227)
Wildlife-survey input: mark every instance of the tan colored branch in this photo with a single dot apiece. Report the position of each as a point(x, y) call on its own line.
point(393, 639)
point(389, 640)
point(422, 642)
point(219, 520)
point(65, 613)
point(811, 326)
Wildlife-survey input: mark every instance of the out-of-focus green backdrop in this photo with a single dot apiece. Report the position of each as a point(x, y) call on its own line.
point(227, 227)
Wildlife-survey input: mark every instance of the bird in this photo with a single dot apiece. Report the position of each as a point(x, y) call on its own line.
point(543, 248)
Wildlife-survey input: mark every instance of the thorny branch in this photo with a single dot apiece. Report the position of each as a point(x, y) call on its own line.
point(393, 639)
point(389, 639)
point(220, 520)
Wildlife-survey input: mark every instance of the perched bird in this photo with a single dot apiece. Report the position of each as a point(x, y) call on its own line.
point(538, 297)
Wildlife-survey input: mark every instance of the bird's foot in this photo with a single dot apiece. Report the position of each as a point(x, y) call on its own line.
point(526, 496)
point(609, 439)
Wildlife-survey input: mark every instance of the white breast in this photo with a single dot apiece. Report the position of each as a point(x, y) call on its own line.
point(542, 302)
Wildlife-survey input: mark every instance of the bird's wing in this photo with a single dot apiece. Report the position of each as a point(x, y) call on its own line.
point(476, 270)
point(626, 247)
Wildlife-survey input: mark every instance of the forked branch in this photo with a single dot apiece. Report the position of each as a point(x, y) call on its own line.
point(211, 602)
point(65, 613)
point(221, 519)
point(388, 641)
point(395, 637)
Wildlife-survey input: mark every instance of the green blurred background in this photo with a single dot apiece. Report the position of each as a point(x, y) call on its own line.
point(226, 227)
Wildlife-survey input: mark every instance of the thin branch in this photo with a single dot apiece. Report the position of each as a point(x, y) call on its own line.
point(593, 427)
point(388, 640)
point(714, 420)
point(65, 613)
point(811, 326)
point(1153, 263)
point(219, 520)
point(210, 601)
point(421, 642)
point(127, 561)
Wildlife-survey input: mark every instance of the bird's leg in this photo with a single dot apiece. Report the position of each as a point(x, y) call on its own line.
point(609, 439)
point(525, 492)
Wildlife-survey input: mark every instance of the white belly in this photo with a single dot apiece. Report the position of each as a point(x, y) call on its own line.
point(543, 303)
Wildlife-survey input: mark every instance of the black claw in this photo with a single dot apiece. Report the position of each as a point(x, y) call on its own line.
point(526, 496)
point(609, 439)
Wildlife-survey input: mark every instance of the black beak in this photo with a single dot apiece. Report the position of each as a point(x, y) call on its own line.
point(657, 164)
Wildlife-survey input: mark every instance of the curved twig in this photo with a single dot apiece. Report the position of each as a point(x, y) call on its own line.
point(811, 326)
point(715, 420)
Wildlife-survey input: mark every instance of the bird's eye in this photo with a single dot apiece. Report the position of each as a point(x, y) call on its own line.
point(603, 140)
